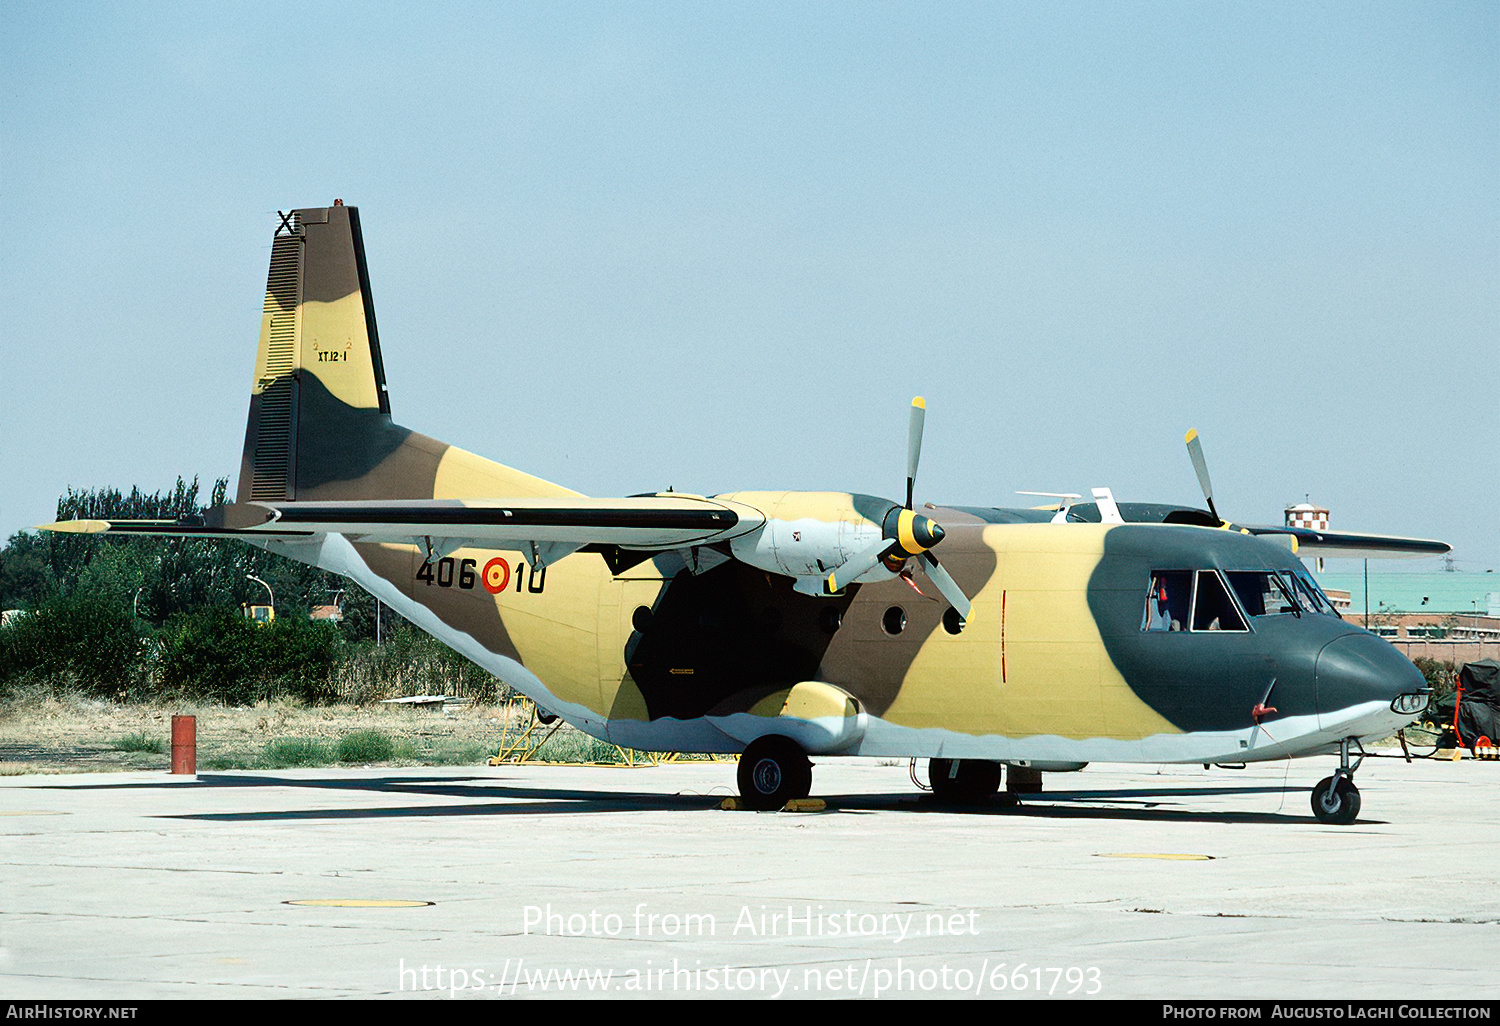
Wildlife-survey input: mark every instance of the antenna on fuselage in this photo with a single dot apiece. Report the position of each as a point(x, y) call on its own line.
point(1063, 508)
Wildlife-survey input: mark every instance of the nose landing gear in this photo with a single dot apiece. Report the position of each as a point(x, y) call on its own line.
point(1336, 800)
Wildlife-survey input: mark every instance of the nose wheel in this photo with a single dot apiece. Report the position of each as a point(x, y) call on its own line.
point(1336, 800)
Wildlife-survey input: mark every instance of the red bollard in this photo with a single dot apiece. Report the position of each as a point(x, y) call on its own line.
point(185, 745)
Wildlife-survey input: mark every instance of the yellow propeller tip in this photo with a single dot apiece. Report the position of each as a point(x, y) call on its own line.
point(1192, 434)
point(919, 402)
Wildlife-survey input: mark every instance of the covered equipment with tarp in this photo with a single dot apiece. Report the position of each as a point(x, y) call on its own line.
point(1472, 711)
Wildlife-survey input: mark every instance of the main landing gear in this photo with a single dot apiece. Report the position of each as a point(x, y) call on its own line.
point(963, 781)
point(773, 771)
point(1336, 800)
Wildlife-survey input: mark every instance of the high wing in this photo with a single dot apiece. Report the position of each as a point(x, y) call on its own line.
point(1342, 545)
point(1309, 542)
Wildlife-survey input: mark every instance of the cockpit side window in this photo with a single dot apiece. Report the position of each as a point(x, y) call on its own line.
point(1262, 593)
point(1213, 609)
point(1310, 595)
point(1168, 600)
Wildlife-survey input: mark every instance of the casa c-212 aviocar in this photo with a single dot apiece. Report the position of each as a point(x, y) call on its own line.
point(782, 625)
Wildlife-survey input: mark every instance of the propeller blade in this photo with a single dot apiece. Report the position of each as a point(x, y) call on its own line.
point(946, 584)
point(1195, 451)
point(858, 565)
point(914, 445)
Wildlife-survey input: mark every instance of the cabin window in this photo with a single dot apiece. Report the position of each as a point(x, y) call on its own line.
point(1213, 609)
point(1262, 593)
point(1168, 600)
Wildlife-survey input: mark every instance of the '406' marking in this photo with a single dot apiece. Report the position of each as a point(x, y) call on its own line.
point(496, 576)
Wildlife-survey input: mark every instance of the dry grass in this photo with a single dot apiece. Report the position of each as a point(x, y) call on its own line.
point(42, 731)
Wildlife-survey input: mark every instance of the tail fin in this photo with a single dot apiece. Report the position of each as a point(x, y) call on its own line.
point(320, 419)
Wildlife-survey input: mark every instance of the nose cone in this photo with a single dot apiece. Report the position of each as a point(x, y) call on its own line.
point(927, 532)
point(912, 531)
point(1355, 672)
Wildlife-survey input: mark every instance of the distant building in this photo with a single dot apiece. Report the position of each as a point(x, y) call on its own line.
point(1305, 514)
point(1445, 615)
point(1451, 616)
point(1314, 518)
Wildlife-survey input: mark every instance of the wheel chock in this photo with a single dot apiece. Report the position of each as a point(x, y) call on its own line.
point(795, 805)
point(805, 805)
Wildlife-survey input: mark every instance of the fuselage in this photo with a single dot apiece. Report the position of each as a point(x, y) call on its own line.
point(1058, 662)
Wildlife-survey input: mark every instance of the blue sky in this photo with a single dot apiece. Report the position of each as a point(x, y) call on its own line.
point(720, 246)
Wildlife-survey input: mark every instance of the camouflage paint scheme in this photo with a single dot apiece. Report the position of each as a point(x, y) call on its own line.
point(672, 641)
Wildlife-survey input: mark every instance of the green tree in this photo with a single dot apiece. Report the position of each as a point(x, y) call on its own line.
point(82, 640)
point(26, 575)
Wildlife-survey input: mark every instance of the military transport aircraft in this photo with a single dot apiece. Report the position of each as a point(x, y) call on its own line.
point(786, 624)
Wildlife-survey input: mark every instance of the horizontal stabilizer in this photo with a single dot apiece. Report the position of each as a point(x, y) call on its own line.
point(642, 522)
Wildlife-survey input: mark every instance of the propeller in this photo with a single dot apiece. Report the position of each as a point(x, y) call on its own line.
point(914, 445)
point(905, 534)
point(1195, 452)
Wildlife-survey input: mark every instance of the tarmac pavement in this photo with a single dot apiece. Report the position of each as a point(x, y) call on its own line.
point(546, 881)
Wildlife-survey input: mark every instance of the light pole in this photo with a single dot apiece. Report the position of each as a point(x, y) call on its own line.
point(257, 580)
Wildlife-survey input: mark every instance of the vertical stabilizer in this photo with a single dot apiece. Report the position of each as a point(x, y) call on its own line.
point(320, 419)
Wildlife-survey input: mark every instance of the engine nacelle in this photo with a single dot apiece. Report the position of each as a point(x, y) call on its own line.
point(807, 535)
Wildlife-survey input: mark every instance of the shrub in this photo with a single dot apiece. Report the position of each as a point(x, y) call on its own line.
point(139, 742)
point(365, 746)
point(460, 753)
point(295, 751)
point(82, 639)
point(299, 656)
point(215, 654)
point(1442, 676)
point(570, 745)
point(411, 663)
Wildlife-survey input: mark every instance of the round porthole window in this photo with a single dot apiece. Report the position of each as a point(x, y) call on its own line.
point(830, 619)
point(952, 622)
point(894, 620)
point(641, 618)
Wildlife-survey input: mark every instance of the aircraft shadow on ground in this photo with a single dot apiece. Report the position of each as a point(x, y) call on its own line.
point(488, 797)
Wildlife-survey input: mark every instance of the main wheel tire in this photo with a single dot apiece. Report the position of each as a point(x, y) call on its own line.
point(975, 780)
point(1336, 801)
point(773, 771)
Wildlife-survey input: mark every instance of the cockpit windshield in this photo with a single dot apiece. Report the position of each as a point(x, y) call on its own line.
point(1263, 593)
point(1272, 592)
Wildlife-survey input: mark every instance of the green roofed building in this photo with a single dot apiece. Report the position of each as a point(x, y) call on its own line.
point(1453, 617)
